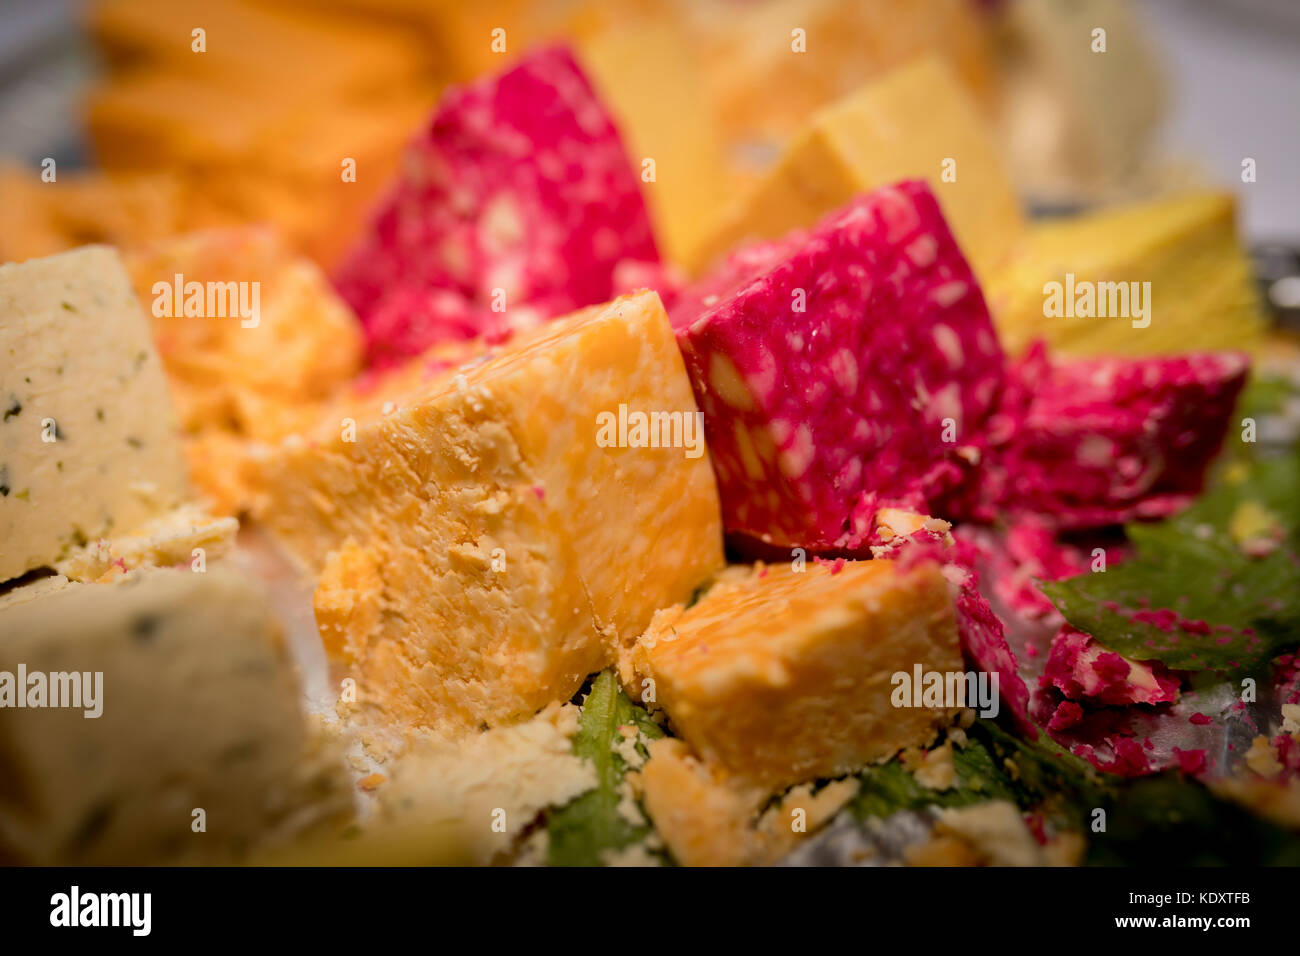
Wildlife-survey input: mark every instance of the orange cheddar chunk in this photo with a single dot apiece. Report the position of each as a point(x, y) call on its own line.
point(782, 675)
point(482, 544)
point(253, 340)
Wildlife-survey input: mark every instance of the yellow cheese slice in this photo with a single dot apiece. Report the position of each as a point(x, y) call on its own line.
point(645, 73)
point(491, 547)
point(770, 65)
point(783, 675)
point(1202, 295)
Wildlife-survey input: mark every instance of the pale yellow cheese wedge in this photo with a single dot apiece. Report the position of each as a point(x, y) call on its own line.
point(88, 441)
point(479, 551)
point(915, 123)
point(644, 72)
point(1202, 295)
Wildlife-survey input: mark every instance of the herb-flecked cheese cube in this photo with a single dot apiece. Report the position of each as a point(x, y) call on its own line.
point(483, 545)
point(916, 122)
point(785, 675)
point(88, 442)
point(841, 370)
point(194, 706)
point(518, 201)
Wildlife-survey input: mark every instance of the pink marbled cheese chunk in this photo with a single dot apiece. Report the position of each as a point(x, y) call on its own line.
point(513, 206)
point(1093, 442)
point(1082, 670)
point(841, 370)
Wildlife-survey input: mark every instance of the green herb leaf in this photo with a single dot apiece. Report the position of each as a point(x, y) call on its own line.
point(889, 788)
point(586, 826)
point(1230, 561)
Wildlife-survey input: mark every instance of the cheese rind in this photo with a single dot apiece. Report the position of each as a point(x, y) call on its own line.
point(198, 710)
point(1201, 292)
point(916, 122)
point(784, 676)
point(841, 371)
point(512, 548)
point(80, 369)
point(517, 202)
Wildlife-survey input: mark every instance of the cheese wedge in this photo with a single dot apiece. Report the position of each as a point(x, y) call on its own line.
point(917, 122)
point(88, 441)
point(1200, 294)
point(481, 546)
point(772, 64)
point(176, 704)
point(784, 675)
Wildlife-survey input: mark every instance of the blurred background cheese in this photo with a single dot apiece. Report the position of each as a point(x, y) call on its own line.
point(233, 384)
point(1078, 120)
point(908, 124)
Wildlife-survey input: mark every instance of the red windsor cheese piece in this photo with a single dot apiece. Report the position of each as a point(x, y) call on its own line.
point(515, 205)
point(841, 370)
point(1095, 442)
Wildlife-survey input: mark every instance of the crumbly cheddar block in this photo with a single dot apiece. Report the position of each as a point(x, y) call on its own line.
point(785, 676)
point(229, 378)
point(841, 370)
point(1201, 293)
point(909, 124)
point(1101, 441)
point(518, 199)
point(709, 819)
point(198, 708)
point(80, 369)
point(501, 548)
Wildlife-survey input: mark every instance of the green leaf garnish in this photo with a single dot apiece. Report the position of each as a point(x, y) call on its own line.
point(1227, 569)
point(585, 827)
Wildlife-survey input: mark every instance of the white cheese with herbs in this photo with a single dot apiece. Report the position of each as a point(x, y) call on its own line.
point(87, 436)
